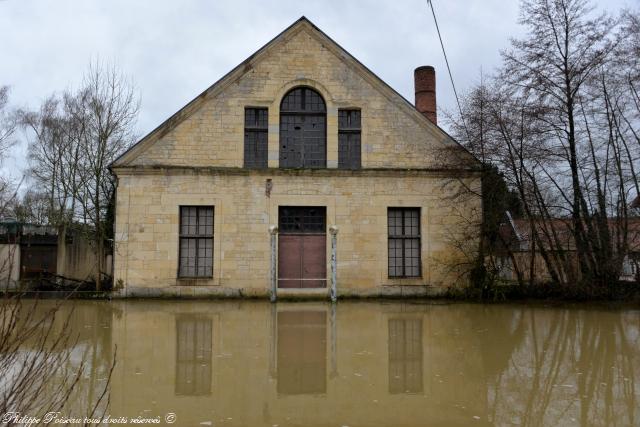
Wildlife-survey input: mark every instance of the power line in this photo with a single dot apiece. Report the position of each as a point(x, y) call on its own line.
point(446, 60)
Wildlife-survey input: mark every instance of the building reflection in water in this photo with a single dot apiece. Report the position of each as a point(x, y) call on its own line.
point(405, 356)
point(431, 364)
point(193, 355)
point(302, 352)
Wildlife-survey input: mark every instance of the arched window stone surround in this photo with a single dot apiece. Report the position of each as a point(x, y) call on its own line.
point(332, 122)
point(303, 129)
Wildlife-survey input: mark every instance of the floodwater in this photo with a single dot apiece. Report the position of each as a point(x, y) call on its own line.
point(359, 363)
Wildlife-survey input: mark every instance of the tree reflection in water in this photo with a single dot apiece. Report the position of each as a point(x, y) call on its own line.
point(569, 366)
point(372, 364)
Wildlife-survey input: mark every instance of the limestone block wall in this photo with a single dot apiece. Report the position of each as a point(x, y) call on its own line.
point(210, 132)
point(146, 235)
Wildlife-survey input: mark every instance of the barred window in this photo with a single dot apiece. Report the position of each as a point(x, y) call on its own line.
point(255, 137)
point(349, 131)
point(303, 129)
point(196, 241)
point(404, 242)
point(296, 219)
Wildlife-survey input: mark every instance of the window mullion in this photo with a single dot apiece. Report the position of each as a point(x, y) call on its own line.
point(404, 261)
point(197, 239)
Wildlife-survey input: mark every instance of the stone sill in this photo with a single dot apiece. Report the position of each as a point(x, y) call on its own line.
point(195, 281)
point(214, 292)
point(418, 281)
point(312, 293)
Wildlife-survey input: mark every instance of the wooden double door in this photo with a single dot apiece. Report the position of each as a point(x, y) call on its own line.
point(302, 247)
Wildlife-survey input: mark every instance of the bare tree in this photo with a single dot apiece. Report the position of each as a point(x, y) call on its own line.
point(560, 120)
point(107, 107)
point(565, 47)
point(73, 139)
point(50, 144)
point(38, 371)
point(7, 124)
point(32, 207)
point(8, 188)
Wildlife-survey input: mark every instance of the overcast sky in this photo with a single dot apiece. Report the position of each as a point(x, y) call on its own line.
point(173, 50)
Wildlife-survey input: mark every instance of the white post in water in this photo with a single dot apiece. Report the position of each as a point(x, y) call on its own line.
point(273, 231)
point(334, 262)
point(334, 342)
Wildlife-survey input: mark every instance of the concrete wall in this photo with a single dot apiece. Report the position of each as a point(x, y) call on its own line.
point(77, 260)
point(146, 252)
point(80, 261)
point(9, 265)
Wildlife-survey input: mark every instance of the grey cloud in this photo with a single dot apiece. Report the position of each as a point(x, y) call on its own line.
point(174, 50)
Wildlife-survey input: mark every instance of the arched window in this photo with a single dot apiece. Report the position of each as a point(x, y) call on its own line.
point(303, 129)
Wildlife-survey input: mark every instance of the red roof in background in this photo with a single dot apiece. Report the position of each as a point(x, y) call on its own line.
point(519, 232)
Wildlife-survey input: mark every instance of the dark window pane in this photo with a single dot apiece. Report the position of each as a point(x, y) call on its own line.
point(404, 242)
point(255, 138)
point(313, 101)
point(292, 101)
point(302, 99)
point(205, 224)
point(349, 151)
point(295, 219)
point(349, 145)
point(395, 257)
point(303, 142)
point(262, 118)
point(354, 119)
point(412, 257)
point(188, 220)
point(395, 223)
point(187, 257)
point(204, 257)
point(196, 241)
point(411, 223)
point(249, 117)
point(342, 119)
point(348, 119)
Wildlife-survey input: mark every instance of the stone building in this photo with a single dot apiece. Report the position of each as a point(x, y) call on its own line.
point(299, 171)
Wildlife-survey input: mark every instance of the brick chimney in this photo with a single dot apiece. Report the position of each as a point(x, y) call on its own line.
point(425, 85)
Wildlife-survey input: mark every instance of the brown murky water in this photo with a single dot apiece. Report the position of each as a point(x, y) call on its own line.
point(362, 364)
